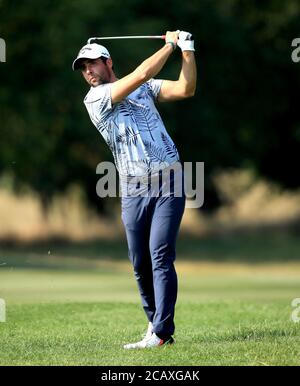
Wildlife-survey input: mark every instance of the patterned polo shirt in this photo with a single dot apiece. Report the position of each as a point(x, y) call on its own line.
point(133, 129)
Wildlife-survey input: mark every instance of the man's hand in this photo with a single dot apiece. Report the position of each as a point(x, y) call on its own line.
point(185, 41)
point(172, 37)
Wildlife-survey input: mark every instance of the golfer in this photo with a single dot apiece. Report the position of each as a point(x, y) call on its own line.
point(124, 112)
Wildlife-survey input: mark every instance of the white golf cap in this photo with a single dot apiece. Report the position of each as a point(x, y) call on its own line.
point(90, 51)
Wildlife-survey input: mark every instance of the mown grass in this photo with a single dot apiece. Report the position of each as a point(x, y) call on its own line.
point(78, 306)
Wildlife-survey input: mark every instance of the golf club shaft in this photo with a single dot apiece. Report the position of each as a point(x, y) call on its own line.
point(127, 37)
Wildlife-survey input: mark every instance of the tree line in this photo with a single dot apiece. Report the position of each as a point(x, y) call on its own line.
point(244, 113)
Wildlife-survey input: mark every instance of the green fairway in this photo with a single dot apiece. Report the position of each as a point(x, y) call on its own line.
point(67, 308)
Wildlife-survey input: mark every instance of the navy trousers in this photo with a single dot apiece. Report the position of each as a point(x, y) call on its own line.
point(151, 225)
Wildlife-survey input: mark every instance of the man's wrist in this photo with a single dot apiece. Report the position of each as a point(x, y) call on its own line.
point(172, 44)
point(188, 54)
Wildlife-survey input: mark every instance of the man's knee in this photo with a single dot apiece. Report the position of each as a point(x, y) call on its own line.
point(162, 255)
point(141, 264)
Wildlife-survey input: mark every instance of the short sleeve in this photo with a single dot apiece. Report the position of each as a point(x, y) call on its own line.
point(98, 101)
point(154, 86)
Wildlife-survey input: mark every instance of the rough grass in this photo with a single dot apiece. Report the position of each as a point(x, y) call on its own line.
point(209, 333)
point(79, 304)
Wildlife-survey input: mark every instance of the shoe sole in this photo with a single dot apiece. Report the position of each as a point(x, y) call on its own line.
point(169, 342)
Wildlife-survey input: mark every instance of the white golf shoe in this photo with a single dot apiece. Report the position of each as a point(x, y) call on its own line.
point(150, 340)
point(141, 343)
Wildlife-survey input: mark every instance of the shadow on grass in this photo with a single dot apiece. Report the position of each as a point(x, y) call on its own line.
point(60, 254)
point(261, 334)
point(251, 248)
point(249, 334)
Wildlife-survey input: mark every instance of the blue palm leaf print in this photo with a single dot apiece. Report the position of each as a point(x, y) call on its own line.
point(147, 164)
point(129, 137)
point(124, 108)
point(156, 154)
point(146, 120)
point(102, 124)
point(169, 146)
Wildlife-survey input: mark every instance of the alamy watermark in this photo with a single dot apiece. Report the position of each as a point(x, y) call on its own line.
point(174, 180)
point(296, 51)
point(2, 311)
point(2, 50)
point(296, 312)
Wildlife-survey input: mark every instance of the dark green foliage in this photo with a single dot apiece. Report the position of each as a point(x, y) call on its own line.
point(243, 114)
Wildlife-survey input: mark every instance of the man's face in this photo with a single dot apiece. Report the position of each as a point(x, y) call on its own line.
point(95, 71)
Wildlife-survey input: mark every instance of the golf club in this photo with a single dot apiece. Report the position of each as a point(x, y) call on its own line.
point(127, 37)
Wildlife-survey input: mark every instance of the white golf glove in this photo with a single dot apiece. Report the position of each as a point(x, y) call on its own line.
point(185, 41)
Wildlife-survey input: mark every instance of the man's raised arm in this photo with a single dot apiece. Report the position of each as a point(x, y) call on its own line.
point(185, 86)
point(145, 71)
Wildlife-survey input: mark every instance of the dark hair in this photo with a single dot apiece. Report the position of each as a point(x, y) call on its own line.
point(104, 60)
point(80, 66)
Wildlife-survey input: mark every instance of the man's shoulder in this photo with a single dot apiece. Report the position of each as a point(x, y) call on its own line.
point(96, 93)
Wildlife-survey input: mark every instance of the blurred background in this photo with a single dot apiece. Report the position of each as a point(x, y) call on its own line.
point(243, 121)
point(237, 257)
